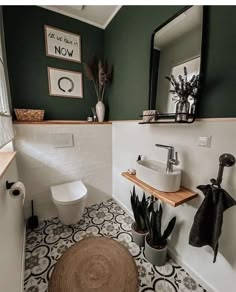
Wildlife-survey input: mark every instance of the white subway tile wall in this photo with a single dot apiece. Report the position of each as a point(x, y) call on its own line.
point(199, 165)
point(42, 165)
point(102, 152)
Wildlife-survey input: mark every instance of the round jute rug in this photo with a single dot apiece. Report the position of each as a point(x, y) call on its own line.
point(98, 264)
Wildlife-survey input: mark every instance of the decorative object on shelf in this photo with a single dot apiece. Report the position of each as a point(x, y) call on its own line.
point(139, 228)
point(65, 83)
point(29, 115)
point(101, 74)
point(62, 44)
point(90, 119)
point(100, 110)
point(184, 91)
point(150, 116)
point(132, 171)
point(208, 221)
point(156, 242)
point(95, 119)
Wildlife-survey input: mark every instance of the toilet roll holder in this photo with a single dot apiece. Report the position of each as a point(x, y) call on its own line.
point(9, 184)
point(8, 187)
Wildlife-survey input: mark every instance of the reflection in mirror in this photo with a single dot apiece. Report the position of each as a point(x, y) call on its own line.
point(175, 45)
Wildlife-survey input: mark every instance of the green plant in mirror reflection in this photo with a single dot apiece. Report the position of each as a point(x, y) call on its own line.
point(184, 88)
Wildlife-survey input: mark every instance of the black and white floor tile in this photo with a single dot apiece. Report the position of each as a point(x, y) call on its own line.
point(51, 239)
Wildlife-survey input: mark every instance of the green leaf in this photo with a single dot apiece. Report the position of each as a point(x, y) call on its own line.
point(160, 213)
point(169, 228)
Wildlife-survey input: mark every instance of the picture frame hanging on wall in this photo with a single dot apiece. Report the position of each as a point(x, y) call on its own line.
point(62, 44)
point(65, 83)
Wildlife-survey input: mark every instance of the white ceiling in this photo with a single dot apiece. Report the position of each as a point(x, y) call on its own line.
point(97, 15)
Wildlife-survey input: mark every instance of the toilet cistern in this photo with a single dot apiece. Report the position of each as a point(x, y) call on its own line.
point(172, 157)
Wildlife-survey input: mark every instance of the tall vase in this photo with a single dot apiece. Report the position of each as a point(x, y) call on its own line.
point(185, 111)
point(178, 111)
point(100, 110)
point(182, 111)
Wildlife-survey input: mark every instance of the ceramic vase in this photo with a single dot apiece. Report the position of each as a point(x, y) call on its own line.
point(100, 111)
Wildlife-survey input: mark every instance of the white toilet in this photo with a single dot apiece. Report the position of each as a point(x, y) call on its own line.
point(70, 200)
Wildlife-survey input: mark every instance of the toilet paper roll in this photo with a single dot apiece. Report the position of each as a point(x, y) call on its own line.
point(17, 191)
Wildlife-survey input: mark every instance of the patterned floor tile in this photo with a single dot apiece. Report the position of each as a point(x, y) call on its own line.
point(46, 244)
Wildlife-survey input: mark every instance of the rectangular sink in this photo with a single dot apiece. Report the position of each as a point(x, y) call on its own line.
point(154, 173)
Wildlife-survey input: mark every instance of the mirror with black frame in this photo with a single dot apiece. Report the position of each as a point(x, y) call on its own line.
point(175, 66)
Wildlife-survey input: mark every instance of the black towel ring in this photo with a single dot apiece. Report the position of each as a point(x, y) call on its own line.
point(227, 160)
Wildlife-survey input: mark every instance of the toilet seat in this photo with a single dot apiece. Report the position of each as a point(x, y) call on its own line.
point(69, 193)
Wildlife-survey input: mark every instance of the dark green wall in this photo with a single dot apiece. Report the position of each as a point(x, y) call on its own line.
point(127, 46)
point(27, 60)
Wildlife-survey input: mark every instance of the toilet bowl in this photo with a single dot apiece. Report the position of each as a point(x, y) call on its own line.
point(70, 200)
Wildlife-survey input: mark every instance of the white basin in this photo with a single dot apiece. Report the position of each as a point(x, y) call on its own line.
point(154, 173)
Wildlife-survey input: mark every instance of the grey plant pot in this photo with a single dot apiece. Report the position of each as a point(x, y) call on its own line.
point(139, 238)
point(157, 257)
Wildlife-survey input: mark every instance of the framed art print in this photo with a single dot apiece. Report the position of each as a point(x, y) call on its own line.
point(62, 44)
point(65, 83)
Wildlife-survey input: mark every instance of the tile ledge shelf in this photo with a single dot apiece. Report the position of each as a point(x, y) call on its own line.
point(60, 122)
point(174, 199)
point(81, 122)
point(5, 161)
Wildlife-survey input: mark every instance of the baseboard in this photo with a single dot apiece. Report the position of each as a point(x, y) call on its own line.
point(181, 262)
point(23, 259)
point(123, 206)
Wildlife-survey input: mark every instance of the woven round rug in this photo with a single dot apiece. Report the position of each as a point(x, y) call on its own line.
point(98, 264)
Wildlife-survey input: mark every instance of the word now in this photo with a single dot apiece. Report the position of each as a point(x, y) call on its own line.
point(63, 51)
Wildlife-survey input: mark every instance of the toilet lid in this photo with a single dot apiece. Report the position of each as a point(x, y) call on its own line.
point(68, 193)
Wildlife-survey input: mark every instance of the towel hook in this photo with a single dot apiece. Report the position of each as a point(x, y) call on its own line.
point(227, 160)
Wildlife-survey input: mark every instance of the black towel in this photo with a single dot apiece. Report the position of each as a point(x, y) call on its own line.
point(207, 225)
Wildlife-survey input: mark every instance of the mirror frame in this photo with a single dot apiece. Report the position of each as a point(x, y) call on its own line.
point(163, 117)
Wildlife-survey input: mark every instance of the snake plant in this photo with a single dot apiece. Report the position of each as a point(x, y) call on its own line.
point(139, 210)
point(153, 219)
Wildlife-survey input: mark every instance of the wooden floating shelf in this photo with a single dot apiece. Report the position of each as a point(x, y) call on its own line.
point(5, 161)
point(59, 122)
point(174, 199)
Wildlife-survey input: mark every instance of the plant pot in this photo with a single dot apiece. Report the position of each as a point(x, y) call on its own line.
point(139, 238)
point(157, 257)
point(100, 111)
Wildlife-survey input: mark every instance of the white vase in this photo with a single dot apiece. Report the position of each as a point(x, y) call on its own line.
point(100, 110)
